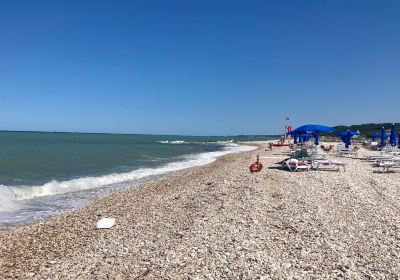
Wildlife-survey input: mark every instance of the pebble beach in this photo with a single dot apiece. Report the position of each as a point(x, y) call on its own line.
point(219, 221)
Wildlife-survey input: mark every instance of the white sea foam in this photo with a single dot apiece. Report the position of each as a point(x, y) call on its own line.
point(7, 199)
point(9, 195)
point(177, 142)
point(225, 142)
point(173, 142)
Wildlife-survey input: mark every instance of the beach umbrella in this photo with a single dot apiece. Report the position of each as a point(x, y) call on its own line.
point(347, 135)
point(383, 137)
point(377, 135)
point(316, 129)
point(316, 136)
point(393, 136)
point(294, 132)
point(373, 136)
point(295, 138)
point(346, 139)
point(304, 137)
point(297, 135)
point(350, 133)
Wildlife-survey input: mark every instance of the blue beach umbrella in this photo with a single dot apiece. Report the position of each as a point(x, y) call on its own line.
point(346, 137)
point(377, 135)
point(346, 140)
point(316, 136)
point(298, 132)
point(295, 138)
point(349, 132)
point(296, 135)
point(373, 136)
point(383, 137)
point(305, 136)
point(393, 136)
point(315, 128)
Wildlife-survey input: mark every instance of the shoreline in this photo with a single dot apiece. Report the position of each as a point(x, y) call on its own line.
point(220, 221)
point(144, 181)
point(96, 187)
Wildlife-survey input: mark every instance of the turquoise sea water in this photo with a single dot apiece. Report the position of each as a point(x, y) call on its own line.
point(43, 174)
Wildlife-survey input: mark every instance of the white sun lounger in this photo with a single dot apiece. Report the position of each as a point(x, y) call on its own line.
point(295, 165)
point(347, 153)
point(329, 165)
point(387, 165)
point(378, 158)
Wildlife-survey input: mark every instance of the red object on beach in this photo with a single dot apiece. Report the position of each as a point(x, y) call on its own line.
point(256, 167)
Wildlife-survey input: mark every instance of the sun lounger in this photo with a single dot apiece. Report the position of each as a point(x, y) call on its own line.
point(295, 165)
point(378, 158)
point(347, 153)
point(329, 165)
point(386, 165)
point(393, 160)
point(317, 157)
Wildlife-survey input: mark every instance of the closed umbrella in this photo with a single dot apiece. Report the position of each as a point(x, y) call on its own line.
point(295, 138)
point(316, 136)
point(346, 137)
point(393, 136)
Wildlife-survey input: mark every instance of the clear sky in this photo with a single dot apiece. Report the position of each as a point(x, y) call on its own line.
point(197, 67)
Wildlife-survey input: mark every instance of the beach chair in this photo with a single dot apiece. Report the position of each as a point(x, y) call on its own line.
point(300, 154)
point(387, 165)
point(347, 153)
point(378, 161)
point(342, 151)
point(374, 146)
point(295, 165)
point(378, 158)
point(332, 165)
point(316, 157)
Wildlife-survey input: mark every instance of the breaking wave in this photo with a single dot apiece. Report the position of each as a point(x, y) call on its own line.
point(9, 195)
point(173, 142)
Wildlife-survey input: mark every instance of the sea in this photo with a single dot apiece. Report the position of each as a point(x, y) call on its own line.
point(44, 174)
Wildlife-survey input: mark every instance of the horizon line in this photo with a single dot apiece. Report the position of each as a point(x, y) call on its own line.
point(151, 134)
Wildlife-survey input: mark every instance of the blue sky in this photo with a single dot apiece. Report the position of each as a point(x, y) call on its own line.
point(197, 67)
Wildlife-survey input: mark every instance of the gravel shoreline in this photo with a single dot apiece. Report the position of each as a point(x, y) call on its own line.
point(220, 222)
